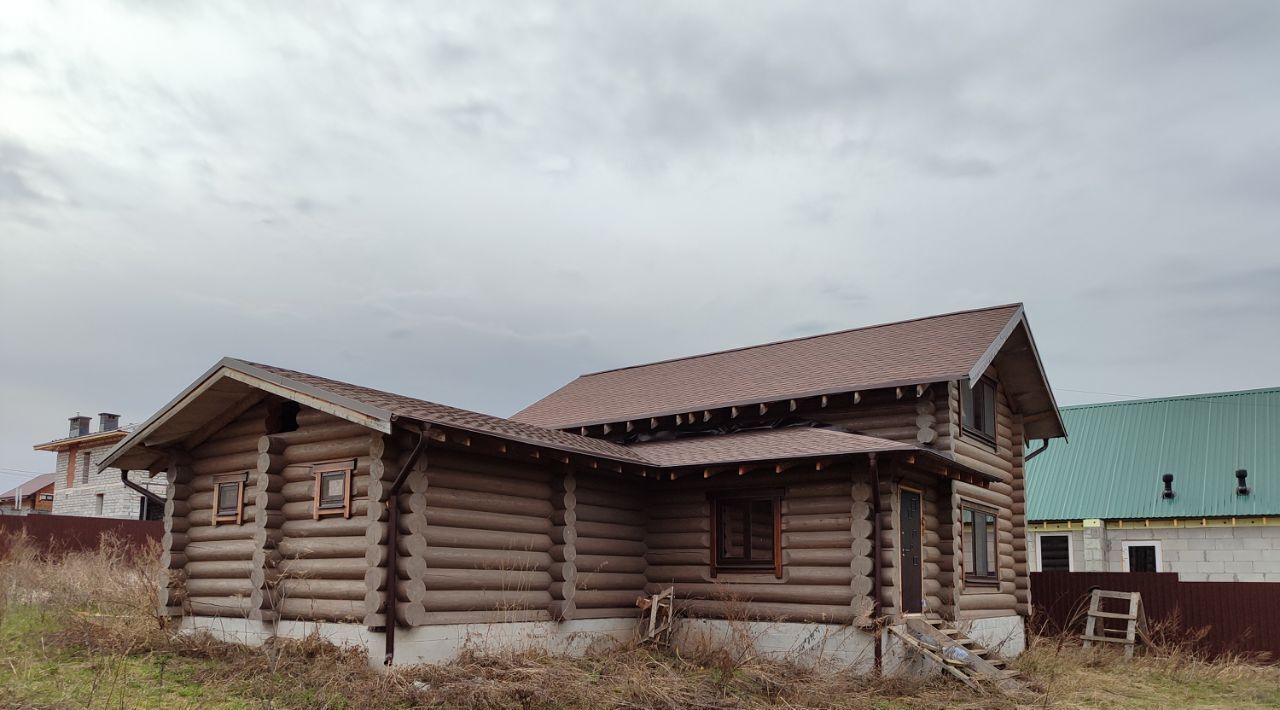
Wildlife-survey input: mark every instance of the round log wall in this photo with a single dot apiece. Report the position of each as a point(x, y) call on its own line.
point(215, 561)
point(307, 568)
point(609, 546)
point(480, 530)
point(1005, 463)
point(825, 549)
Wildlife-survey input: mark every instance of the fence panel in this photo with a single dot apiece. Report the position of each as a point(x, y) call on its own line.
point(1237, 617)
point(70, 533)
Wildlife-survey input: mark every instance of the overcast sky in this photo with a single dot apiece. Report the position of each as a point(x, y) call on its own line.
point(474, 203)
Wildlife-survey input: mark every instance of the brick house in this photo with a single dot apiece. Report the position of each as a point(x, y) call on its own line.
point(1180, 484)
point(81, 489)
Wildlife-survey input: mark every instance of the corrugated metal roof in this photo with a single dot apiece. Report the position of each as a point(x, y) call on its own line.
point(1118, 451)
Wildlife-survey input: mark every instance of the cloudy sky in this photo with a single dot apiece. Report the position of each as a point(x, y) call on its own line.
point(473, 203)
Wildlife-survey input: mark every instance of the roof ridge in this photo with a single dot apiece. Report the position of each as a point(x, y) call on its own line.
point(1173, 398)
point(803, 337)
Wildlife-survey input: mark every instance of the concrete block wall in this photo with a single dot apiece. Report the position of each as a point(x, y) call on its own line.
point(1248, 553)
point(81, 497)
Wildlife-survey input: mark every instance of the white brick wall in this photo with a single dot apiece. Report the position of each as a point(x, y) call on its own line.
point(81, 498)
point(1216, 554)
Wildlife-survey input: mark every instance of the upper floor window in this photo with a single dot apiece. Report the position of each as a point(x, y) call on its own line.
point(747, 530)
point(979, 543)
point(86, 460)
point(978, 409)
point(332, 495)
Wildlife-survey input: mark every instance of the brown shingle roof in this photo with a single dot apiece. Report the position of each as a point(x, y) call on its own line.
point(766, 445)
point(933, 349)
point(424, 411)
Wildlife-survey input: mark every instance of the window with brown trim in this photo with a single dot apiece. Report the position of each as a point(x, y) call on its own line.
point(746, 531)
point(228, 500)
point(978, 409)
point(981, 557)
point(332, 494)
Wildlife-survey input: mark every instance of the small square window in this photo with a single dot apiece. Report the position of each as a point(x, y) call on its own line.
point(978, 409)
point(979, 544)
point(332, 489)
point(748, 531)
point(229, 502)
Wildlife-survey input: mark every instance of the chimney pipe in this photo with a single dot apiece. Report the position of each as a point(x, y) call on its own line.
point(1242, 487)
point(108, 421)
point(1168, 485)
point(79, 425)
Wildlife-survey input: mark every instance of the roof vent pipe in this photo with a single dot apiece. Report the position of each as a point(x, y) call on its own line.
point(1242, 488)
point(1168, 485)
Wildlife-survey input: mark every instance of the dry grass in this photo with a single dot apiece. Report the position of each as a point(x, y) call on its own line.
point(81, 631)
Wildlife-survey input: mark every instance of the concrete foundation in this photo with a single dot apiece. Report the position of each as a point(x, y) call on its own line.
point(811, 645)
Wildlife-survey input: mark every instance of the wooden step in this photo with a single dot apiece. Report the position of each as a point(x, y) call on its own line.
point(1112, 615)
point(1106, 639)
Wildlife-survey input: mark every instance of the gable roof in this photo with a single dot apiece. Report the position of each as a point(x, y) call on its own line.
point(939, 348)
point(235, 384)
point(232, 380)
point(1119, 451)
point(30, 487)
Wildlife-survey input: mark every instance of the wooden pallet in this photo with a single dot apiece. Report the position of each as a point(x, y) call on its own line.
point(960, 656)
point(1096, 631)
point(655, 626)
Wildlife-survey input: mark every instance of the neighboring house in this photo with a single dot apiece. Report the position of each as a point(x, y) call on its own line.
point(34, 496)
point(80, 488)
point(807, 488)
point(1181, 484)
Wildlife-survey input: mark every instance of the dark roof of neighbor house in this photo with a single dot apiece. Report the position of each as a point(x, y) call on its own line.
point(1118, 452)
point(30, 486)
point(925, 350)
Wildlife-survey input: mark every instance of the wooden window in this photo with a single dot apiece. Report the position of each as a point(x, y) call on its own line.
point(228, 502)
point(978, 409)
point(979, 543)
point(746, 531)
point(1055, 552)
point(1142, 556)
point(332, 495)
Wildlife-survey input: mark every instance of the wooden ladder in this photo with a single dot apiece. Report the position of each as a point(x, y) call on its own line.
point(1096, 631)
point(964, 658)
point(656, 625)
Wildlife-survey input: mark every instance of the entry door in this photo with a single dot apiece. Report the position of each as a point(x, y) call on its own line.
point(909, 556)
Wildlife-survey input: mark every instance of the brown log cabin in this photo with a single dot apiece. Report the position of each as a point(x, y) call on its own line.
point(814, 489)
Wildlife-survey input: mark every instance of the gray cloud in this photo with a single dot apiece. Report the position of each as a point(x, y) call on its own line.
point(476, 202)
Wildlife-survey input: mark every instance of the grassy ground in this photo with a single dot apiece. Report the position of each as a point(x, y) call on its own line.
point(80, 633)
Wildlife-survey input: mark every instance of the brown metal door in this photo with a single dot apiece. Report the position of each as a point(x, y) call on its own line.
point(909, 552)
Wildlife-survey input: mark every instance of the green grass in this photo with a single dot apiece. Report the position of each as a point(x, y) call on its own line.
point(37, 671)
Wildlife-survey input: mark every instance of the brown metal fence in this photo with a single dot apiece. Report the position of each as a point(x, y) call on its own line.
point(69, 533)
point(1235, 617)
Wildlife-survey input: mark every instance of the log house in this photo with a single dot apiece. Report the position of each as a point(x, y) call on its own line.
point(844, 480)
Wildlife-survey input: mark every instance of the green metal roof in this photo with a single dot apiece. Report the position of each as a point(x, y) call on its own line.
point(1118, 451)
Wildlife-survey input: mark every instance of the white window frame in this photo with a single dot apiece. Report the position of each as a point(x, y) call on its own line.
point(1071, 550)
point(1126, 544)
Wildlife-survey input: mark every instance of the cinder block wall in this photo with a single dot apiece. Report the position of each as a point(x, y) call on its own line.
point(81, 498)
point(1197, 554)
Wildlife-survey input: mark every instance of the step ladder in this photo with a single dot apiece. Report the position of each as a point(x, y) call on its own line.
point(1135, 627)
point(962, 657)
